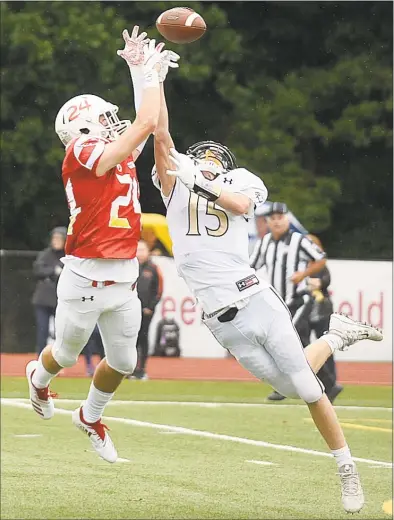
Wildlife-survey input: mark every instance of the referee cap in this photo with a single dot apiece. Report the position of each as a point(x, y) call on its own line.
point(269, 208)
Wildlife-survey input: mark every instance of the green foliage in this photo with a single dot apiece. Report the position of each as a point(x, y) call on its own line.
point(302, 92)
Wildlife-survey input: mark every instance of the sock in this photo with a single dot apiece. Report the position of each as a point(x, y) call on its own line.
point(333, 341)
point(94, 405)
point(41, 377)
point(342, 456)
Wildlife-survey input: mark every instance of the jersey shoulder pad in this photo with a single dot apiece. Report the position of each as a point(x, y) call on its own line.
point(87, 150)
point(244, 179)
point(251, 185)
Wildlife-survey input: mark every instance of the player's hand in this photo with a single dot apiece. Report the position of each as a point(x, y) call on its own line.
point(133, 52)
point(184, 168)
point(147, 312)
point(314, 283)
point(153, 54)
point(297, 277)
point(169, 60)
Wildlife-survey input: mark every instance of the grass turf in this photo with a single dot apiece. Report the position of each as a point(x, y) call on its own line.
point(170, 475)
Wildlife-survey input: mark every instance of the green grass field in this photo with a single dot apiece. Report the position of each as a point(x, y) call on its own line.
point(186, 455)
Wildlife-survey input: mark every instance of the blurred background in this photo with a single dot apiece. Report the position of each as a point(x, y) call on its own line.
point(300, 91)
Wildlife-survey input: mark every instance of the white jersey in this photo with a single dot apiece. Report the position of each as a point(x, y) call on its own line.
point(210, 244)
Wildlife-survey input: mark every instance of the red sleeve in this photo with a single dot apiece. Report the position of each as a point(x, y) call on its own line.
point(87, 152)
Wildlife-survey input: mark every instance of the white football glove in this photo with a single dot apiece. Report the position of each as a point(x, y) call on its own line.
point(133, 52)
point(190, 175)
point(153, 55)
point(169, 60)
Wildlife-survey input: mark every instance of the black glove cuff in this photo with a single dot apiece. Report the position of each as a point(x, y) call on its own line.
point(209, 191)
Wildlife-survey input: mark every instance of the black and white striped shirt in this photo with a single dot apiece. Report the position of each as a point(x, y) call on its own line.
point(281, 258)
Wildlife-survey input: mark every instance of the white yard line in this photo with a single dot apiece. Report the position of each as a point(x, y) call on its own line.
point(117, 402)
point(209, 435)
point(28, 435)
point(261, 462)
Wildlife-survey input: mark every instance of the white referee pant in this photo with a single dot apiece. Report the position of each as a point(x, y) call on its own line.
point(264, 341)
point(115, 308)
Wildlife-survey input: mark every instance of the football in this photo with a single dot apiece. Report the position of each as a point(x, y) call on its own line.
point(181, 25)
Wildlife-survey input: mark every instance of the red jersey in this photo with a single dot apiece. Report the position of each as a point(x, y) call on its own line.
point(105, 213)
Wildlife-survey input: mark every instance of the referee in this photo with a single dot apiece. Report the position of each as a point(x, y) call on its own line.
point(286, 259)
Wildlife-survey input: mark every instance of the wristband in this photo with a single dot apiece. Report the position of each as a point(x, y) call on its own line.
point(151, 79)
point(207, 189)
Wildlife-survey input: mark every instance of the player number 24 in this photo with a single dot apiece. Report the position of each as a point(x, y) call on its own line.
point(122, 201)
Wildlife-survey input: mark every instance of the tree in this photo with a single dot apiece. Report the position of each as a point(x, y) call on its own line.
point(301, 91)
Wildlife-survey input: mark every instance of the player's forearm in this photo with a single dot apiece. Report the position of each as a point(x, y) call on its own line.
point(237, 203)
point(315, 267)
point(144, 124)
point(162, 132)
point(162, 144)
point(137, 78)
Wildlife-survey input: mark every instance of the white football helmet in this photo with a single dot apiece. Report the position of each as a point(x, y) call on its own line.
point(89, 114)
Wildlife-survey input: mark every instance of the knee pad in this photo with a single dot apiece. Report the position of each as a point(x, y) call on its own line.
point(307, 385)
point(286, 388)
point(64, 356)
point(122, 358)
point(69, 343)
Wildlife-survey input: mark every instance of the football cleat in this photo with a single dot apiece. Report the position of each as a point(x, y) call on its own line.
point(40, 398)
point(352, 492)
point(98, 436)
point(352, 331)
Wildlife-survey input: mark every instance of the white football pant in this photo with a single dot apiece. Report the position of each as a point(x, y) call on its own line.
point(263, 339)
point(115, 308)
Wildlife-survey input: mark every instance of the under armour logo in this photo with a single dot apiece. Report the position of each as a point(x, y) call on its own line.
point(84, 298)
point(230, 181)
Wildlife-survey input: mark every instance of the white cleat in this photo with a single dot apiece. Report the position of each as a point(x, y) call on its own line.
point(352, 492)
point(40, 398)
point(352, 331)
point(99, 438)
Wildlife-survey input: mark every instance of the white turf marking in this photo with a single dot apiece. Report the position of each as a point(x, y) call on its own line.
point(117, 402)
point(209, 435)
point(28, 435)
point(261, 462)
point(170, 433)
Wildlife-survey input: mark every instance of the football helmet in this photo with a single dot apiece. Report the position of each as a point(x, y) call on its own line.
point(212, 157)
point(89, 114)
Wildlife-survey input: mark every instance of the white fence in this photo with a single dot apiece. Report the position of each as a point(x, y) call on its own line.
point(360, 289)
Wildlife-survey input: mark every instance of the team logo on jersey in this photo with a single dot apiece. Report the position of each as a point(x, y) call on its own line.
point(259, 198)
point(247, 282)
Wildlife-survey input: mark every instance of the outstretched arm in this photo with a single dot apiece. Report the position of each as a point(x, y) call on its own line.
point(162, 144)
point(147, 116)
point(184, 167)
